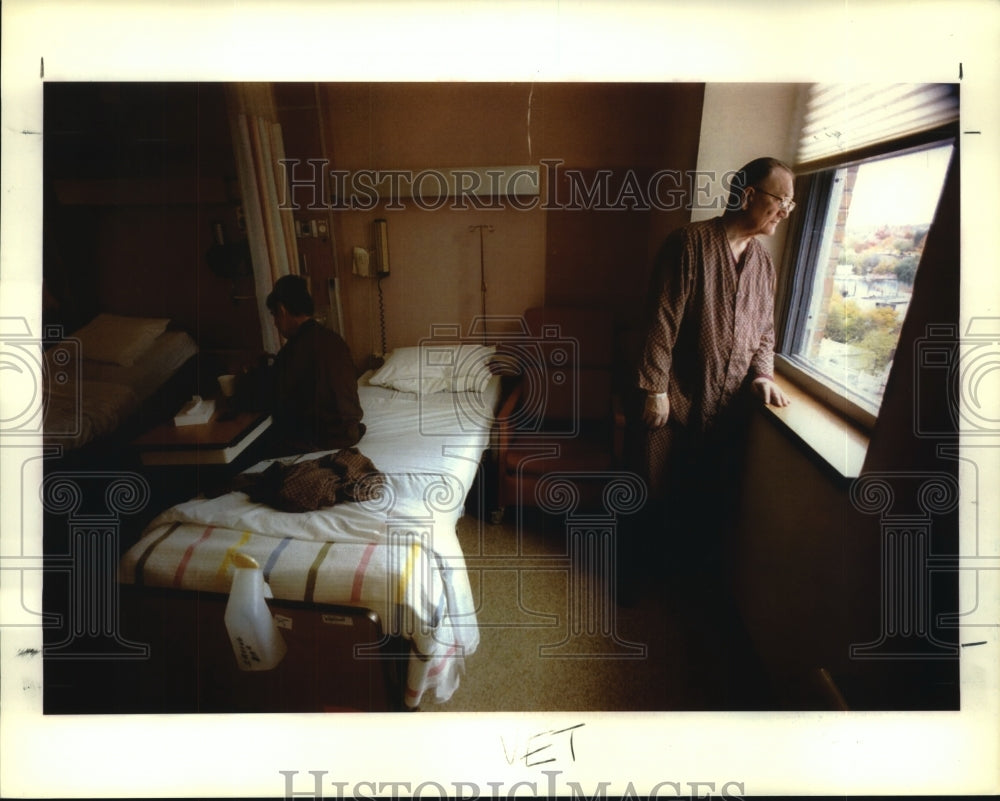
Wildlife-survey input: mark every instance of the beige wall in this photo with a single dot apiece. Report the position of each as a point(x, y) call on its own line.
point(434, 257)
point(807, 563)
point(146, 258)
point(741, 122)
point(531, 257)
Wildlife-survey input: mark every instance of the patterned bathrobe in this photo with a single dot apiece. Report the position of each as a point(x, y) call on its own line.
point(709, 333)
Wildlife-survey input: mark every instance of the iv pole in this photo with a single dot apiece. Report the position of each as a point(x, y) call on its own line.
point(482, 269)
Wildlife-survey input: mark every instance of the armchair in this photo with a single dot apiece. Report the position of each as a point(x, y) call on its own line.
point(560, 414)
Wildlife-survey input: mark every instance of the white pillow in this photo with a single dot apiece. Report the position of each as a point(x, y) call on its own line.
point(402, 371)
point(432, 367)
point(472, 368)
point(116, 339)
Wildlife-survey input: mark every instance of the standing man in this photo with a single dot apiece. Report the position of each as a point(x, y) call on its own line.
point(708, 348)
point(313, 384)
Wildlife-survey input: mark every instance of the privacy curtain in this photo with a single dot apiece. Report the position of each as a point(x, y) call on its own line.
point(259, 149)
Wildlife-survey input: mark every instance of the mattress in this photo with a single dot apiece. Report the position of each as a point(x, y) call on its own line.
point(165, 356)
point(86, 399)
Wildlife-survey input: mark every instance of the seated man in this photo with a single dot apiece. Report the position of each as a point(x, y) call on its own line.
point(311, 390)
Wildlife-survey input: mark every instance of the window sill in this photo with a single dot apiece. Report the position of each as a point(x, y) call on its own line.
point(837, 444)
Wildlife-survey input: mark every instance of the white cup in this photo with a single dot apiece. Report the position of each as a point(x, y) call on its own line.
point(227, 384)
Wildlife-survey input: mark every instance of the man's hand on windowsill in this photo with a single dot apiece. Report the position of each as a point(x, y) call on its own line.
point(769, 392)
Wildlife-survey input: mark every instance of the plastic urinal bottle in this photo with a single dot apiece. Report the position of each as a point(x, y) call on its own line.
point(257, 643)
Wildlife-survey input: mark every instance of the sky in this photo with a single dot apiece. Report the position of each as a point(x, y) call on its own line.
point(899, 191)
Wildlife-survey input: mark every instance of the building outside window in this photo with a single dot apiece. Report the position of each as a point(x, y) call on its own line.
point(865, 215)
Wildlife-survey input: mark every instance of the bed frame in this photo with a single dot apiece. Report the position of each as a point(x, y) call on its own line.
point(337, 660)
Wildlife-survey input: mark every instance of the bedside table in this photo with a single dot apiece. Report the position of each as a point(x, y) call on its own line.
point(184, 462)
point(218, 442)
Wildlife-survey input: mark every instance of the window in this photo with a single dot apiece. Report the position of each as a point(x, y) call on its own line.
point(856, 249)
point(874, 217)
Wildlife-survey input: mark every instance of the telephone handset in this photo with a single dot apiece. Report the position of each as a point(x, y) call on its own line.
point(361, 266)
point(362, 260)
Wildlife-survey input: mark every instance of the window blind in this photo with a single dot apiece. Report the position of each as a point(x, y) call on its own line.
point(840, 118)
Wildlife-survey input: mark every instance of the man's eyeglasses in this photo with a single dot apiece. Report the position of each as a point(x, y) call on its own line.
point(786, 205)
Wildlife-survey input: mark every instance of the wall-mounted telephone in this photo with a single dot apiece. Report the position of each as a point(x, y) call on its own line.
point(374, 263)
point(362, 258)
point(381, 248)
